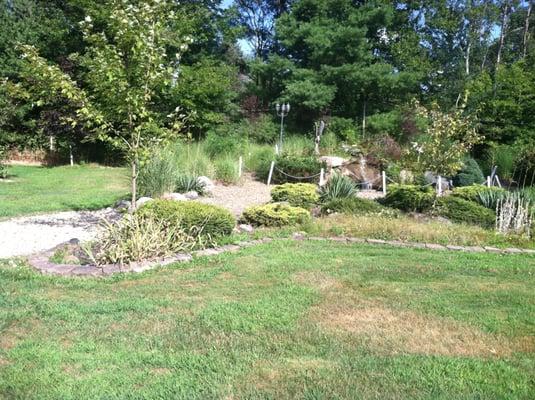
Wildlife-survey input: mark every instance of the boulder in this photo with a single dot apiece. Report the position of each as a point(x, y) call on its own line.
point(175, 197)
point(245, 228)
point(332, 161)
point(123, 205)
point(207, 182)
point(431, 178)
point(143, 200)
point(192, 195)
point(368, 175)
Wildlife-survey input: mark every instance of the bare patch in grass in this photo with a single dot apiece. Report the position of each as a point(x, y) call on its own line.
point(394, 331)
point(16, 332)
point(318, 280)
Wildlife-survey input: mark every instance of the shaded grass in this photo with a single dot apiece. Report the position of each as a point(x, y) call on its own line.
point(40, 189)
point(408, 229)
point(253, 325)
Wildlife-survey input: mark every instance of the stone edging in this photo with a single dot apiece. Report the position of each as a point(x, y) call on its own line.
point(42, 263)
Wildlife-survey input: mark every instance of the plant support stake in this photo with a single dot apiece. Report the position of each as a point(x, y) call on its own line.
point(240, 166)
point(270, 172)
point(383, 173)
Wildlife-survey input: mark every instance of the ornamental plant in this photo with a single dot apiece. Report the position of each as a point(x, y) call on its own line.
point(447, 139)
point(128, 66)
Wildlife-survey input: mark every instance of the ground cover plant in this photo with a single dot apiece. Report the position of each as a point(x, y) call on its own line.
point(39, 189)
point(303, 195)
point(283, 320)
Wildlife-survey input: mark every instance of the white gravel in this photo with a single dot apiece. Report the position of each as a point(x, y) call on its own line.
point(26, 235)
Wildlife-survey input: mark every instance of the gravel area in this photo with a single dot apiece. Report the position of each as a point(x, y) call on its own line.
point(27, 235)
point(237, 198)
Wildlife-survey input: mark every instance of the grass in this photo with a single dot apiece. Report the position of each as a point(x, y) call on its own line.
point(32, 189)
point(278, 321)
point(409, 229)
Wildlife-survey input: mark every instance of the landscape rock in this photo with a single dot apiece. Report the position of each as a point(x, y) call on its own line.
point(143, 200)
point(333, 161)
point(122, 205)
point(245, 228)
point(192, 195)
point(175, 197)
point(433, 179)
point(207, 182)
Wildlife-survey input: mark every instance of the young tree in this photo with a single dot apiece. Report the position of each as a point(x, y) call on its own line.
point(127, 69)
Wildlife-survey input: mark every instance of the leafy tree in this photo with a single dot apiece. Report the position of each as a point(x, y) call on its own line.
point(126, 71)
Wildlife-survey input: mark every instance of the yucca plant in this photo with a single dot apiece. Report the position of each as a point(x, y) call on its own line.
point(338, 187)
point(490, 198)
point(187, 183)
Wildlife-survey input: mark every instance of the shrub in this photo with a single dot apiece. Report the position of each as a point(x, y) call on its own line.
point(275, 215)
point(137, 238)
point(303, 166)
point(504, 157)
point(345, 129)
point(469, 174)
point(338, 187)
point(303, 195)
point(409, 197)
point(223, 141)
point(354, 206)
point(263, 130)
point(158, 175)
point(196, 219)
point(226, 169)
point(474, 192)
point(188, 183)
point(3, 166)
point(460, 210)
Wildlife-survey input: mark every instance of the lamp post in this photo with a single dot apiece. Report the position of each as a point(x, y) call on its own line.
point(282, 111)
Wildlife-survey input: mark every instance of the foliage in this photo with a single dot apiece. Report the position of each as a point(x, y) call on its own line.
point(224, 140)
point(464, 211)
point(338, 187)
point(126, 70)
point(136, 238)
point(354, 206)
point(192, 159)
point(198, 220)
point(3, 166)
point(299, 167)
point(514, 214)
point(469, 174)
point(409, 197)
point(474, 192)
point(303, 195)
point(263, 130)
point(275, 215)
point(505, 158)
point(344, 128)
point(226, 169)
point(158, 175)
point(447, 139)
point(188, 183)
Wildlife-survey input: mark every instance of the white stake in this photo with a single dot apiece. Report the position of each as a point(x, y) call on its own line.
point(271, 172)
point(384, 182)
point(439, 185)
point(240, 166)
point(322, 177)
point(489, 183)
point(276, 149)
point(71, 157)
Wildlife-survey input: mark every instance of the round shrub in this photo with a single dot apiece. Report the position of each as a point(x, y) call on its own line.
point(464, 211)
point(469, 174)
point(195, 218)
point(354, 206)
point(475, 192)
point(409, 197)
point(296, 166)
point(303, 195)
point(275, 215)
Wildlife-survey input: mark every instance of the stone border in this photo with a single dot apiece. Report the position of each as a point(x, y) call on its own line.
point(42, 263)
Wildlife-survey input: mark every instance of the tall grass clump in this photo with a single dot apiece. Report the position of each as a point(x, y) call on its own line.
point(338, 187)
point(257, 155)
point(505, 158)
point(192, 159)
point(297, 146)
point(158, 174)
point(226, 169)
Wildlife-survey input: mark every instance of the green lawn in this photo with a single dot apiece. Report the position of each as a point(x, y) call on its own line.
point(284, 320)
point(40, 189)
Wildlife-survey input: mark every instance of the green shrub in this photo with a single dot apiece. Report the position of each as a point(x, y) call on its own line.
point(257, 156)
point(275, 215)
point(263, 130)
point(137, 238)
point(297, 146)
point(188, 183)
point(158, 175)
point(3, 166)
point(226, 169)
point(464, 211)
point(354, 206)
point(409, 197)
point(303, 195)
point(469, 174)
point(222, 141)
point(338, 187)
point(196, 219)
point(302, 166)
point(474, 192)
point(344, 129)
point(505, 158)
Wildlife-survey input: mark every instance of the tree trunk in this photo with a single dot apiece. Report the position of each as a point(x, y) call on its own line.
point(526, 29)
point(364, 119)
point(134, 183)
point(503, 30)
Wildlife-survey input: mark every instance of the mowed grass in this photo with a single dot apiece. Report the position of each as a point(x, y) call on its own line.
point(32, 189)
point(284, 320)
